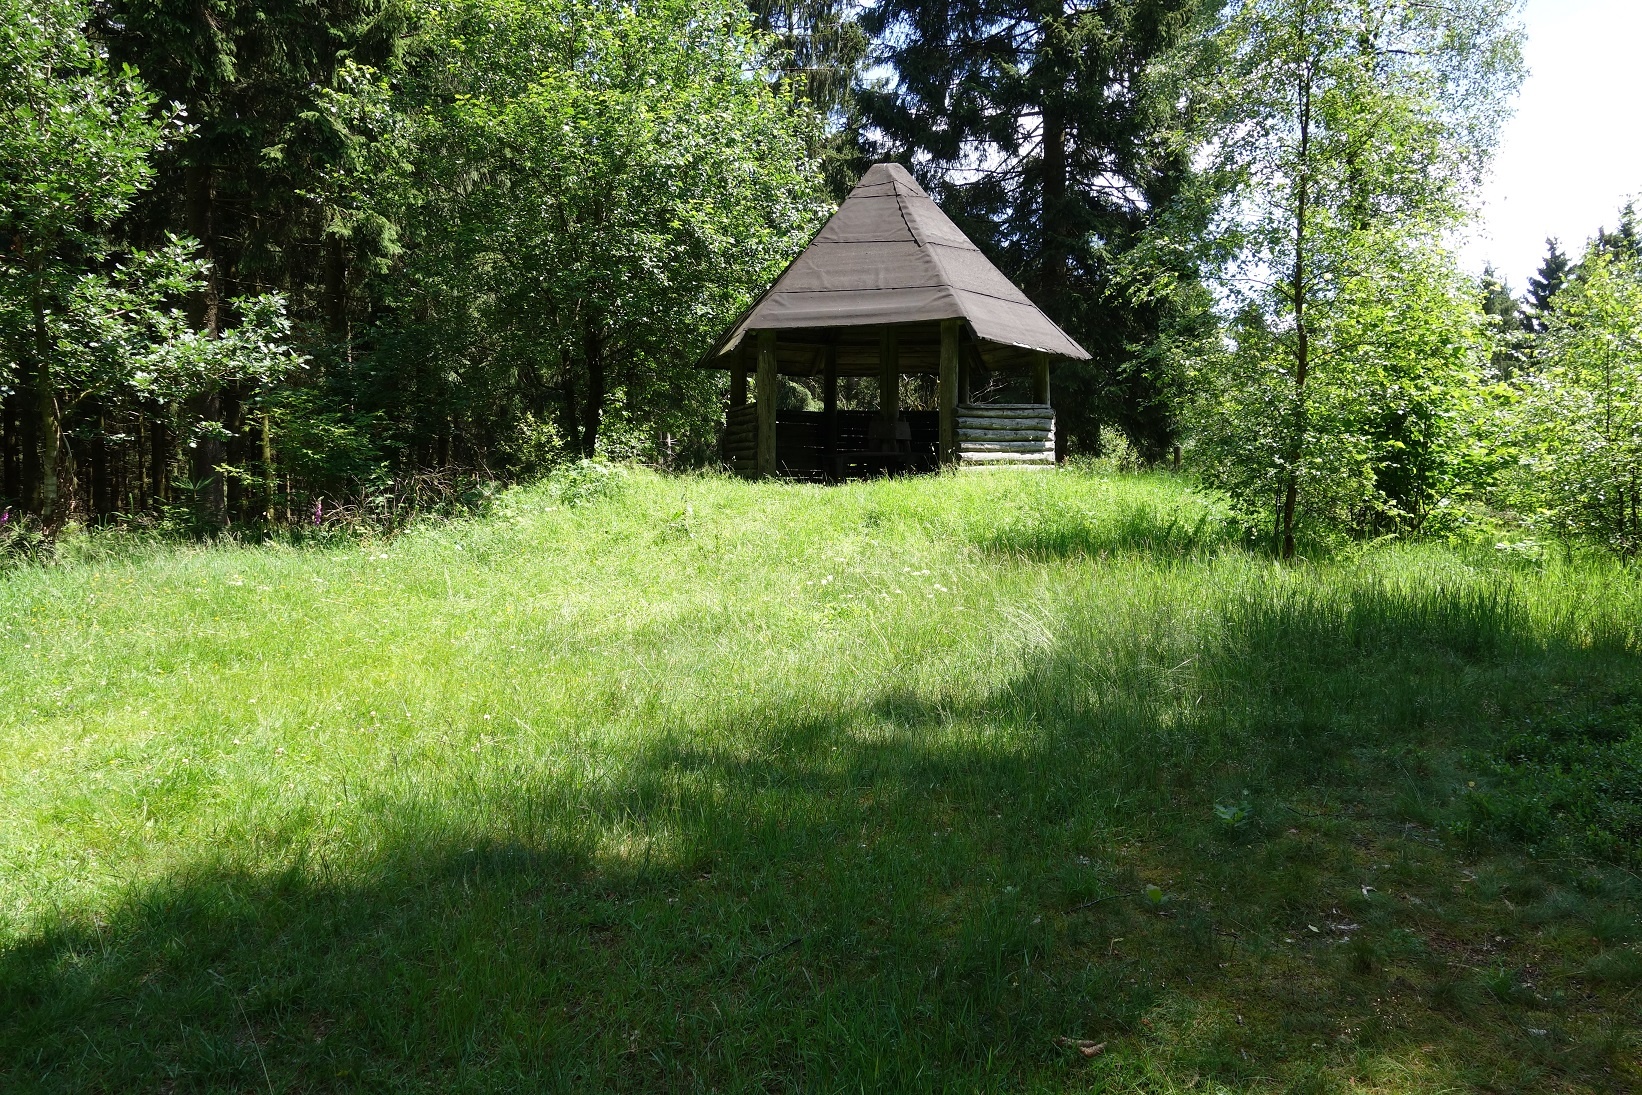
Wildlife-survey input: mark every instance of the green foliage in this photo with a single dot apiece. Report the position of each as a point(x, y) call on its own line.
point(86, 320)
point(1625, 242)
point(1234, 817)
point(585, 481)
point(1579, 421)
point(1543, 288)
point(820, 54)
point(605, 186)
point(499, 233)
point(1350, 137)
point(289, 175)
point(1396, 406)
point(1507, 323)
point(321, 443)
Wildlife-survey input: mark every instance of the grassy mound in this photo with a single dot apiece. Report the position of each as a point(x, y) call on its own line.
point(1007, 782)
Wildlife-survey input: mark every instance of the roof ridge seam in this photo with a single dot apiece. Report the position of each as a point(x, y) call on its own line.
point(900, 207)
point(946, 279)
point(971, 249)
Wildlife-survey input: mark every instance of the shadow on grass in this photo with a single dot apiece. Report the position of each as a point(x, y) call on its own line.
point(902, 896)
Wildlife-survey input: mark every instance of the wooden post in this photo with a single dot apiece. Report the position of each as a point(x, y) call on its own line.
point(889, 373)
point(765, 394)
point(965, 384)
point(946, 391)
point(738, 375)
point(829, 401)
point(1040, 380)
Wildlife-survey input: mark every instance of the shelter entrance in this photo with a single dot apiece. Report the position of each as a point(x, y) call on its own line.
point(835, 443)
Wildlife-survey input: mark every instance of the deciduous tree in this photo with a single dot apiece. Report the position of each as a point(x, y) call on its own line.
point(605, 184)
point(1581, 417)
point(86, 321)
point(1355, 130)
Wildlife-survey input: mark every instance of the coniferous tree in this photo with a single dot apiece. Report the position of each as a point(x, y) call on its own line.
point(1500, 304)
point(1497, 298)
point(269, 91)
point(820, 50)
point(1543, 287)
point(1044, 130)
point(1624, 242)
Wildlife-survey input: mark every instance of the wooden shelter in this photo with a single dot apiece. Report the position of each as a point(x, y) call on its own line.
point(888, 287)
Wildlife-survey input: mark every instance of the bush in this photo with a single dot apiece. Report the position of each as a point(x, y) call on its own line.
point(587, 481)
point(1581, 416)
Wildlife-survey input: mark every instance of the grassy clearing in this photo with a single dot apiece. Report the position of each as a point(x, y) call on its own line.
point(898, 786)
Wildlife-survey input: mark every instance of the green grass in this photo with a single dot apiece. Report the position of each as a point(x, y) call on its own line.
point(900, 786)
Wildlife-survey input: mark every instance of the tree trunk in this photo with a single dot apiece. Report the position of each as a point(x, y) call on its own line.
point(204, 314)
point(46, 424)
point(1055, 235)
point(159, 459)
point(237, 451)
point(11, 450)
point(593, 406)
point(1302, 341)
point(139, 435)
point(571, 409)
point(206, 455)
point(267, 468)
point(336, 293)
point(102, 494)
point(28, 440)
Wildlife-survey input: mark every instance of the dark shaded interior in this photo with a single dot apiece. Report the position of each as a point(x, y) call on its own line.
point(918, 350)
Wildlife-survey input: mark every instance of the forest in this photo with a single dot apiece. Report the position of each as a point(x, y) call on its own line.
point(375, 257)
point(403, 690)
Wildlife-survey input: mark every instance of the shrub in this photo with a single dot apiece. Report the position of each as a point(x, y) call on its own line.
point(587, 481)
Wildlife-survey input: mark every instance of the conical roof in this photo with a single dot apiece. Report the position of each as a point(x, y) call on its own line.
point(889, 255)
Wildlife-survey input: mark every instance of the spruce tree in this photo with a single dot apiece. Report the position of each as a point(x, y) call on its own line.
point(270, 90)
point(1497, 299)
point(1500, 304)
point(1043, 132)
point(821, 49)
point(1624, 242)
point(1543, 287)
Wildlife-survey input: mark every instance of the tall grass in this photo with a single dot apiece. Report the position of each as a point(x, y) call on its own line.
point(654, 782)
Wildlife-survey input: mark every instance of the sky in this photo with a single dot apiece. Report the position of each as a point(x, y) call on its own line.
point(1572, 154)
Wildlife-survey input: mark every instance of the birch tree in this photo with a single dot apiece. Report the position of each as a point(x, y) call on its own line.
point(1353, 134)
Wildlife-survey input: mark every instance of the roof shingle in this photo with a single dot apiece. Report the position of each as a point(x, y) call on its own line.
point(889, 255)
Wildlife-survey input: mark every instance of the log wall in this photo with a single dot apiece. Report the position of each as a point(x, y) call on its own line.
point(1005, 435)
point(741, 439)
